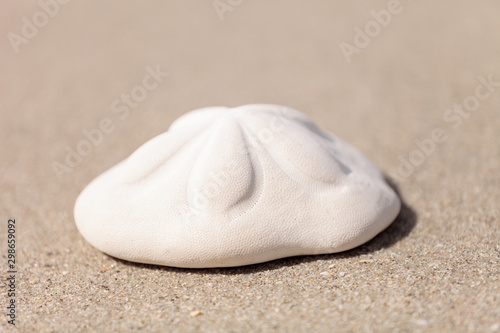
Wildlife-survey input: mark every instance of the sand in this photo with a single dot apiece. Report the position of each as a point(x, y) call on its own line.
point(390, 93)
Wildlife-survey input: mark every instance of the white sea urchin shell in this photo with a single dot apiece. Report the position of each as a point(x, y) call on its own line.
point(230, 187)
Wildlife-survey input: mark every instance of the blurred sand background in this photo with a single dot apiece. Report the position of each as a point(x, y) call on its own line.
point(437, 268)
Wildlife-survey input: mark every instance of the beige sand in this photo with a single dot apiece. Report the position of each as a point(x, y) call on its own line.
point(435, 269)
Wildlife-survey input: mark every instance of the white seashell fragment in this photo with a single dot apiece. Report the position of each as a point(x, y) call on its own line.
point(230, 187)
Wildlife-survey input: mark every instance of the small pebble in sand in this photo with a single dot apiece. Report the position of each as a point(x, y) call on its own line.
point(195, 313)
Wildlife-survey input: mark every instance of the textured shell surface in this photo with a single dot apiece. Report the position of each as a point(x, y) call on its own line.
point(236, 186)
